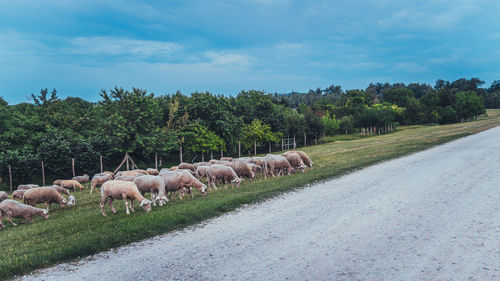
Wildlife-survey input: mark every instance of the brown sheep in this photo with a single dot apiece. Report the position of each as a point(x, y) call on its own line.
point(116, 189)
point(173, 168)
point(27, 186)
point(242, 169)
point(18, 194)
point(129, 173)
point(99, 179)
point(82, 179)
point(3, 196)
point(153, 172)
point(153, 184)
point(70, 184)
point(126, 178)
point(57, 182)
point(181, 181)
point(199, 164)
point(109, 173)
point(13, 209)
point(184, 165)
point(305, 158)
point(229, 159)
point(44, 195)
point(295, 161)
point(140, 171)
point(277, 162)
point(224, 173)
point(201, 171)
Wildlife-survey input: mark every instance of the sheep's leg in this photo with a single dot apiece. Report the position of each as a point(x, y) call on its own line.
point(132, 206)
point(190, 191)
point(103, 202)
point(29, 219)
point(110, 202)
point(9, 219)
point(153, 199)
point(126, 204)
point(47, 206)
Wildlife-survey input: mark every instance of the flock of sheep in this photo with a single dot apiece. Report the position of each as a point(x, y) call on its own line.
point(131, 186)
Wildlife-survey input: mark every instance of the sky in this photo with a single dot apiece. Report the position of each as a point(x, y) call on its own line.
point(226, 46)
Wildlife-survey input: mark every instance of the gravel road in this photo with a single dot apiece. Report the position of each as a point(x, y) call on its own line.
point(433, 215)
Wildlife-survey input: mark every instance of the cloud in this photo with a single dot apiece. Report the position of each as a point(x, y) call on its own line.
point(228, 59)
point(114, 46)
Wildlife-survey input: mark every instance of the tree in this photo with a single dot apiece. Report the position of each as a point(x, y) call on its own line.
point(258, 133)
point(330, 124)
point(468, 105)
point(199, 139)
point(399, 97)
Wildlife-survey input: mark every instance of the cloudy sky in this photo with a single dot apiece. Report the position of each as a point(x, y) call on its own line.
point(227, 46)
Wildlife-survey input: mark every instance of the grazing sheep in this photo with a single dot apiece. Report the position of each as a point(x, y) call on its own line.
point(27, 186)
point(109, 173)
point(201, 171)
point(99, 179)
point(44, 195)
point(255, 168)
point(81, 179)
point(257, 161)
point(129, 174)
point(116, 189)
point(242, 169)
point(153, 172)
point(140, 171)
point(59, 189)
point(182, 181)
point(3, 196)
point(173, 168)
point(213, 161)
point(277, 162)
point(153, 184)
point(305, 158)
point(71, 200)
point(186, 170)
point(18, 194)
point(229, 159)
point(184, 165)
point(13, 209)
point(199, 164)
point(224, 173)
point(57, 182)
point(125, 178)
point(70, 184)
point(295, 161)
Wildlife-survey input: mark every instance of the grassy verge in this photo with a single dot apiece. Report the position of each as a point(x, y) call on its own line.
point(81, 230)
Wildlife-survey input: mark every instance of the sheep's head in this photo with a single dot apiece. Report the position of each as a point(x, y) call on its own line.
point(71, 200)
point(63, 203)
point(238, 181)
point(162, 200)
point(303, 168)
point(291, 171)
point(203, 189)
point(146, 205)
point(45, 214)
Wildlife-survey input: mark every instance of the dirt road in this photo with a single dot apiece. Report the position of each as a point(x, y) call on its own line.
point(434, 215)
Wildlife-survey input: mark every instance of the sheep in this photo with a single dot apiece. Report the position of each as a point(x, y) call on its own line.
point(59, 189)
point(18, 194)
point(229, 159)
point(73, 184)
point(125, 178)
point(186, 170)
point(3, 196)
point(255, 168)
point(46, 195)
point(140, 171)
point(27, 186)
point(153, 184)
point(81, 179)
point(13, 209)
point(57, 182)
point(201, 171)
point(173, 168)
point(305, 158)
point(199, 164)
point(184, 165)
point(109, 173)
point(225, 173)
point(181, 181)
point(279, 162)
point(257, 161)
point(242, 169)
point(153, 172)
point(99, 179)
point(129, 173)
point(116, 189)
point(295, 161)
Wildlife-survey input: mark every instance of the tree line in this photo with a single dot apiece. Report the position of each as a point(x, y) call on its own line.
point(142, 124)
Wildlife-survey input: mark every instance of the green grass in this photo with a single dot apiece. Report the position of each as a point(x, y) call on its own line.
point(81, 230)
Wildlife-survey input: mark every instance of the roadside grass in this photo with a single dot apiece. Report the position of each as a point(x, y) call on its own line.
point(81, 230)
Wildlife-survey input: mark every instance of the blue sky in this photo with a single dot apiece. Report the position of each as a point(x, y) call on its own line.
point(227, 46)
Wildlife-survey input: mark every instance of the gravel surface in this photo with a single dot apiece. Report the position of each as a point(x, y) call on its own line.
point(433, 215)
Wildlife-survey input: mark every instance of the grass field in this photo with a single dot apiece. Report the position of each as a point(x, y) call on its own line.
point(81, 230)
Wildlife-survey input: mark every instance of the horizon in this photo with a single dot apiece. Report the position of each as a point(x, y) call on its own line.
point(269, 45)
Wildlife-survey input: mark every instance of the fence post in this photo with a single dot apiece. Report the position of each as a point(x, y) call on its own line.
point(202, 156)
point(221, 153)
point(43, 174)
point(305, 139)
point(73, 166)
point(211, 154)
point(282, 144)
point(180, 154)
point(128, 168)
point(10, 178)
point(100, 161)
point(254, 147)
point(269, 147)
point(294, 143)
point(156, 161)
point(239, 148)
